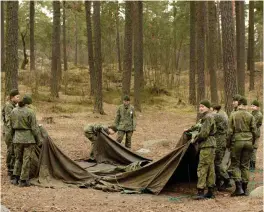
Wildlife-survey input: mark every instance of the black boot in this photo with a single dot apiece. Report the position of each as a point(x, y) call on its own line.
point(24, 183)
point(14, 179)
point(200, 194)
point(210, 193)
point(244, 187)
point(239, 191)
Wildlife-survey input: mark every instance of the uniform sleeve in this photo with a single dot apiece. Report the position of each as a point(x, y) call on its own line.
point(35, 128)
point(117, 119)
point(8, 111)
point(230, 131)
point(258, 120)
point(9, 131)
point(205, 129)
point(253, 129)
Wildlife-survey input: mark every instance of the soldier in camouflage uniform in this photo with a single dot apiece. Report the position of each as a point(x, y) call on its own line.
point(221, 121)
point(6, 112)
point(235, 102)
point(207, 145)
point(24, 133)
point(125, 121)
point(91, 131)
point(242, 134)
point(258, 120)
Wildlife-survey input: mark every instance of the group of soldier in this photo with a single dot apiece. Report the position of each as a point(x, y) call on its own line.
point(239, 133)
point(217, 132)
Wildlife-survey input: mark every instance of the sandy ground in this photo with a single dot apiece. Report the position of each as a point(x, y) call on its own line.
point(153, 125)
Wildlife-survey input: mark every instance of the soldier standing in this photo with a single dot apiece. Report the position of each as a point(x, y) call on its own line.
point(6, 112)
point(221, 121)
point(235, 102)
point(258, 120)
point(125, 121)
point(207, 145)
point(91, 132)
point(24, 133)
point(242, 134)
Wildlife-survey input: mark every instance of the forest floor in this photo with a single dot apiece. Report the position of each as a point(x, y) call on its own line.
point(157, 130)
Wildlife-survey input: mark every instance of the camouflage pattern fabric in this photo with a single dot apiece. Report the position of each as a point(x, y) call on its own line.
point(125, 118)
point(120, 136)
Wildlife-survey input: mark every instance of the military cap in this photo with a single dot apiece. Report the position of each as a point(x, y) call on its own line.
point(242, 101)
point(206, 103)
point(255, 102)
point(236, 97)
point(13, 92)
point(27, 99)
point(126, 98)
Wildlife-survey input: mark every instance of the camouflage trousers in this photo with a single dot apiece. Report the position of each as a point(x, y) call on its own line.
point(10, 155)
point(254, 153)
point(93, 139)
point(240, 158)
point(205, 170)
point(120, 136)
point(220, 171)
point(23, 155)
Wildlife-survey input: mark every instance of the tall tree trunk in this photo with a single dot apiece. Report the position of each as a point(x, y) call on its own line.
point(118, 39)
point(219, 39)
point(64, 39)
point(251, 46)
point(2, 36)
point(11, 65)
point(138, 52)
point(55, 50)
point(25, 60)
point(212, 50)
point(32, 40)
point(76, 41)
point(240, 45)
point(128, 40)
point(192, 89)
point(90, 47)
point(200, 50)
point(230, 83)
point(98, 106)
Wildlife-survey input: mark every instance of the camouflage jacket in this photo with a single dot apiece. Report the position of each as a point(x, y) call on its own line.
point(221, 122)
point(258, 120)
point(207, 131)
point(6, 112)
point(125, 118)
point(91, 131)
point(23, 126)
point(242, 126)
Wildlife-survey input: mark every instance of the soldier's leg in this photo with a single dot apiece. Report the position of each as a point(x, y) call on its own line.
point(27, 155)
point(211, 174)
point(120, 136)
point(254, 154)
point(18, 150)
point(128, 139)
point(203, 167)
point(218, 162)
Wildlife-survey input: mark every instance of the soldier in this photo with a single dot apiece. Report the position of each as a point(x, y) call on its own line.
point(91, 131)
point(258, 120)
point(221, 121)
point(242, 132)
point(6, 111)
point(207, 145)
point(235, 102)
point(125, 121)
point(24, 133)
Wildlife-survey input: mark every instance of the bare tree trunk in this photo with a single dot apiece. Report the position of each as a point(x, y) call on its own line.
point(55, 50)
point(32, 37)
point(90, 47)
point(118, 39)
point(2, 36)
point(192, 89)
point(138, 52)
point(240, 44)
point(64, 38)
point(128, 40)
point(251, 46)
point(25, 61)
point(200, 50)
point(11, 78)
point(212, 50)
point(230, 83)
point(219, 39)
point(98, 106)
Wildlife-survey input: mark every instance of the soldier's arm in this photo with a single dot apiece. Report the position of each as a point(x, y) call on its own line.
point(117, 119)
point(9, 131)
point(35, 128)
point(258, 120)
point(253, 128)
point(230, 131)
point(205, 129)
point(134, 119)
point(8, 111)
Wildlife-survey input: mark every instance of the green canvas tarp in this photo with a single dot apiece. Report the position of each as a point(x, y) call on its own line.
point(56, 169)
